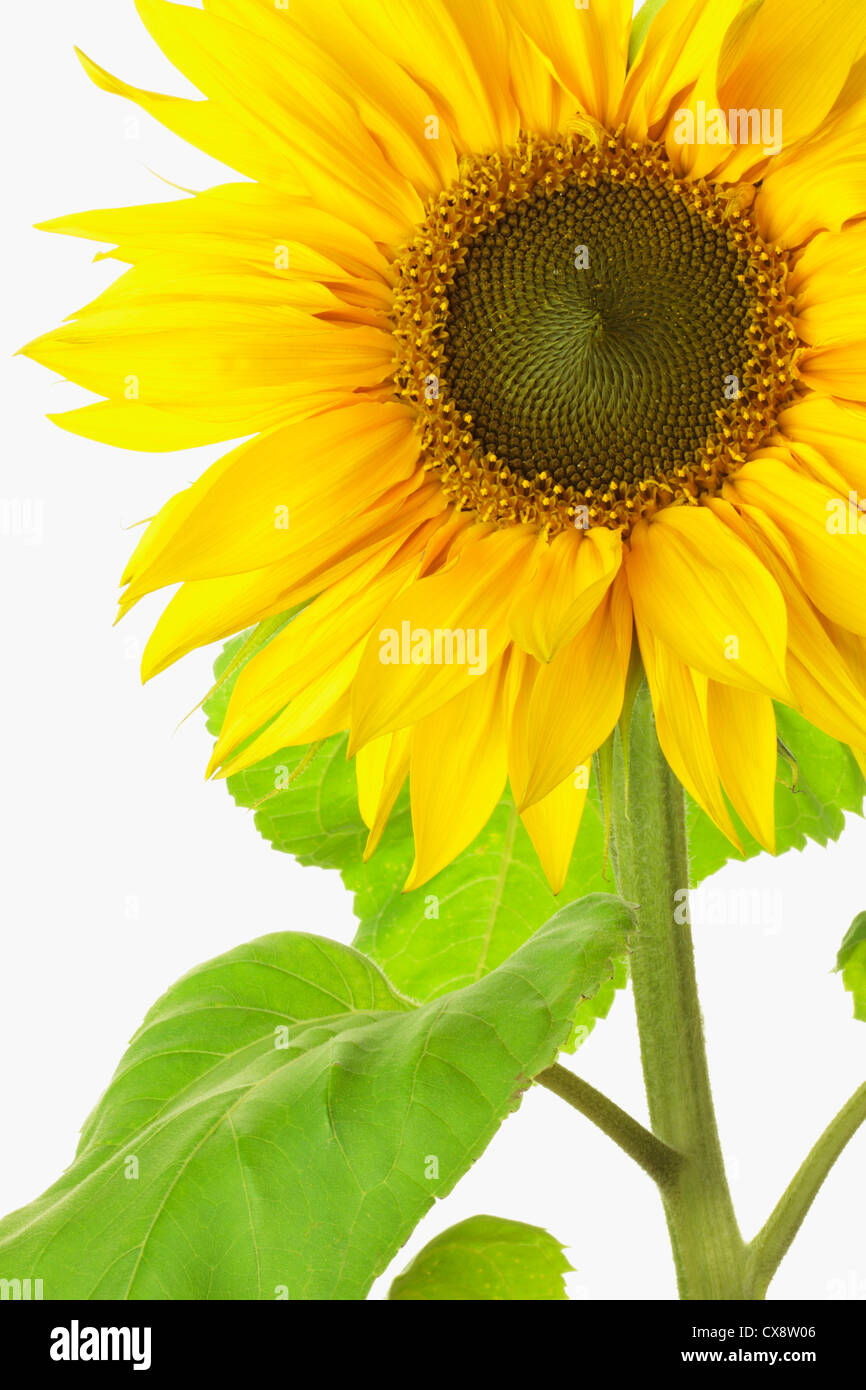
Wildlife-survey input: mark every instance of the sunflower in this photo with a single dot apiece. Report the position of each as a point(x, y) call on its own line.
point(543, 352)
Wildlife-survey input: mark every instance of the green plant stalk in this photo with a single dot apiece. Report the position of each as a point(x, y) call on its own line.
point(650, 853)
point(772, 1243)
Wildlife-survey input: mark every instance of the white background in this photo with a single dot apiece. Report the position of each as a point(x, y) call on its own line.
point(122, 868)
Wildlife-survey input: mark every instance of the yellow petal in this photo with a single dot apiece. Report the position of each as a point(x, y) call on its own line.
point(318, 638)
point(208, 610)
point(289, 108)
point(828, 260)
point(449, 807)
point(695, 39)
point(809, 462)
point(681, 45)
point(586, 50)
point(821, 184)
point(321, 711)
point(170, 286)
point(574, 702)
point(833, 565)
point(522, 673)
point(839, 370)
point(837, 429)
point(441, 634)
point(834, 320)
point(544, 104)
point(257, 224)
point(456, 53)
point(679, 697)
point(552, 825)
point(370, 765)
point(829, 282)
point(793, 56)
point(336, 45)
point(394, 773)
point(574, 573)
point(830, 689)
point(233, 364)
point(743, 735)
point(827, 691)
point(227, 135)
point(277, 494)
point(131, 425)
point(703, 593)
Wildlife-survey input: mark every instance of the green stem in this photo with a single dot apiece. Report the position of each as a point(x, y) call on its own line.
point(770, 1246)
point(653, 1156)
point(651, 860)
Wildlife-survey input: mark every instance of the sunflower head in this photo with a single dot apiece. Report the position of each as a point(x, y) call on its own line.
point(529, 382)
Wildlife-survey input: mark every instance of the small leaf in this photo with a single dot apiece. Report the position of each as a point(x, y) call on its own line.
point(485, 1259)
point(851, 961)
point(284, 1118)
point(641, 25)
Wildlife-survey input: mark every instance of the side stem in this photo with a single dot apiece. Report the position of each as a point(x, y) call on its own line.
point(650, 852)
point(656, 1159)
point(772, 1243)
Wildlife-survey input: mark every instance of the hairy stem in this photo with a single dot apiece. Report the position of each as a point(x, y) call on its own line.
point(656, 1159)
point(651, 860)
point(772, 1243)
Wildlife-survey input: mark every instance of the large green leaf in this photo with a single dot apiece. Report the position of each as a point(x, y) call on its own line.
point(851, 961)
point(450, 932)
point(484, 1259)
point(284, 1118)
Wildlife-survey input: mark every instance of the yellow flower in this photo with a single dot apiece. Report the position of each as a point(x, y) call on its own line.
point(531, 351)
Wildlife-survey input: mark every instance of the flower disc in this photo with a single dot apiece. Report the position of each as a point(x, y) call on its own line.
point(604, 336)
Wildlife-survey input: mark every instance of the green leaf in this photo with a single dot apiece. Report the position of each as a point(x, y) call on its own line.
point(851, 961)
point(284, 1118)
point(492, 897)
point(640, 26)
point(596, 1009)
point(829, 783)
point(485, 1259)
point(454, 929)
point(473, 914)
